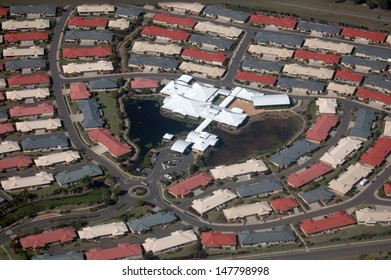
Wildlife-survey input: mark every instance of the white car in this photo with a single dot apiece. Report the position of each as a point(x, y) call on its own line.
point(167, 177)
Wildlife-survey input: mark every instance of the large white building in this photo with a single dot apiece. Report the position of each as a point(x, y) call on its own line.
point(296, 70)
point(30, 52)
point(141, 47)
point(337, 155)
point(48, 124)
point(113, 230)
point(218, 30)
point(372, 217)
point(95, 9)
point(16, 183)
point(175, 240)
point(101, 66)
point(51, 159)
point(269, 53)
point(13, 25)
point(230, 171)
point(340, 48)
point(37, 93)
point(182, 7)
point(219, 197)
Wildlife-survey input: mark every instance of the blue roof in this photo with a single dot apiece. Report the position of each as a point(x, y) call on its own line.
point(70, 256)
point(261, 65)
point(222, 12)
point(319, 194)
point(128, 12)
point(16, 65)
point(102, 36)
point(290, 155)
point(356, 61)
point(289, 84)
point(378, 82)
point(148, 222)
point(263, 187)
point(3, 114)
point(382, 53)
point(45, 142)
point(292, 41)
point(320, 28)
point(102, 84)
point(91, 114)
point(33, 9)
point(363, 124)
point(68, 177)
point(161, 62)
point(278, 235)
point(204, 39)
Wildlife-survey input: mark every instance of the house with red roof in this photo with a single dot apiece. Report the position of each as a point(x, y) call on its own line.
point(3, 12)
point(140, 84)
point(26, 37)
point(2, 97)
point(186, 187)
point(23, 111)
point(6, 128)
point(123, 251)
point(31, 80)
point(327, 225)
point(114, 146)
point(373, 37)
point(174, 22)
point(303, 55)
point(346, 76)
point(217, 58)
point(218, 240)
point(284, 204)
point(79, 91)
point(375, 156)
point(301, 178)
point(387, 190)
point(284, 23)
point(37, 241)
point(15, 162)
point(323, 125)
point(84, 23)
point(261, 80)
point(376, 96)
point(1, 66)
point(98, 52)
point(161, 33)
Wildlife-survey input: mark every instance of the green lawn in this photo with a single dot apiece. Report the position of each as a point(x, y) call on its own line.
point(110, 111)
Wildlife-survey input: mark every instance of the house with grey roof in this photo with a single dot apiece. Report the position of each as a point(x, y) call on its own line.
point(67, 177)
point(322, 194)
point(162, 63)
point(147, 223)
point(289, 156)
point(262, 188)
point(249, 238)
point(208, 41)
point(295, 85)
point(225, 14)
point(322, 29)
point(91, 113)
point(378, 83)
point(103, 85)
point(25, 64)
point(364, 64)
point(33, 10)
point(373, 53)
point(3, 84)
point(2, 200)
point(279, 40)
point(88, 36)
point(45, 142)
point(3, 115)
point(69, 256)
point(362, 128)
point(261, 66)
point(130, 13)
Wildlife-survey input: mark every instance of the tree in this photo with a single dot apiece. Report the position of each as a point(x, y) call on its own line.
point(139, 202)
point(384, 4)
point(359, 1)
point(193, 169)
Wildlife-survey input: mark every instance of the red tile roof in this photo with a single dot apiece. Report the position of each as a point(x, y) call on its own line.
point(356, 33)
point(387, 189)
point(347, 75)
point(250, 77)
point(104, 137)
point(79, 91)
point(97, 52)
point(3, 11)
point(41, 240)
point(1, 66)
point(375, 156)
point(322, 127)
point(326, 58)
point(374, 95)
point(336, 220)
point(204, 56)
point(186, 187)
point(30, 36)
point(302, 178)
point(166, 18)
point(24, 111)
point(83, 22)
point(177, 35)
point(143, 83)
point(122, 251)
point(265, 20)
point(28, 80)
point(2, 97)
point(215, 239)
point(283, 204)
point(6, 128)
point(16, 162)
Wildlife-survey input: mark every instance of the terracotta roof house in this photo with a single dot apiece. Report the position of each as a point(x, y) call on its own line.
point(79, 91)
point(6, 128)
point(15, 162)
point(262, 80)
point(378, 153)
point(374, 37)
point(42, 240)
point(97, 52)
point(284, 204)
point(139, 84)
point(172, 35)
point(42, 109)
point(84, 23)
point(3, 12)
point(123, 251)
point(186, 187)
point(285, 23)
point(115, 147)
point(218, 240)
point(37, 79)
point(323, 125)
point(325, 58)
point(301, 178)
point(168, 20)
point(364, 93)
point(346, 76)
point(335, 221)
point(217, 58)
point(387, 190)
point(23, 37)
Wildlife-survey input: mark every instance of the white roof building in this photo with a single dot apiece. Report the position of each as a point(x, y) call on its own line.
point(113, 230)
point(49, 124)
point(17, 183)
point(337, 155)
point(13, 25)
point(9, 147)
point(230, 171)
point(327, 105)
point(387, 128)
point(37, 93)
point(218, 30)
point(32, 51)
point(349, 179)
point(120, 24)
point(316, 44)
point(245, 93)
point(50, 159)
point(182, 7)
point(202, 140)
point(208, 71)
point(176, 239)
point(95, 9)
point(271, 52)
point(218, 198)
point(271, 100)
point(312, 72)
point(77, 68)
point(142, 47)
point(343, 89)
point(260, 209)
point(371, 217)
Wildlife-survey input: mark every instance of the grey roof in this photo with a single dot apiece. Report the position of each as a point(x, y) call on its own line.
point(33, 9)
point(319, 194)
point(287, 83)
point(378, 82)
point(278, 235)
point(363, 124)
point(257, 64)
point(274, 38)
point(3, 114)
point(382, 53)
point(128, 12)
point(161, 62)
point(148, 222)
point(102, 36)
point(259, 188)
point(70, 256)
point(45, 142)
point(222, 12)
point(16, 65)
point(91, 114)
point(68, 177)
point(290, 155)
point(204, 39)
point(102, 84)
point(320, 28)
point(2, 200)
point(373, 64)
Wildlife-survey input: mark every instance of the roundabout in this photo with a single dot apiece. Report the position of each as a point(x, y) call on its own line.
point(139, 191)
